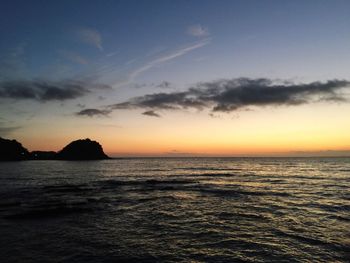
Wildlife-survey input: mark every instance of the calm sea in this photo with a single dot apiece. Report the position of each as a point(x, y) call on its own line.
point(176, 210)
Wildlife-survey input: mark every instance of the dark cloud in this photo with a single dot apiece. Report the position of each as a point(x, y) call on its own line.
point(93, 112)
point(164, 85)
point(47, 90)
point(233, 94)
point(151, 113)
point(166, 101)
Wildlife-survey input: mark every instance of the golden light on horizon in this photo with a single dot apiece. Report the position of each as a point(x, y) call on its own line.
point(263, 130)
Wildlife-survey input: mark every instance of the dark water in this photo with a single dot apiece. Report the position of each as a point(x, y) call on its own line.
point(183, 210)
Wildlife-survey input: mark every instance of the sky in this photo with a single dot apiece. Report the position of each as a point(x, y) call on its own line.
point(177, 78)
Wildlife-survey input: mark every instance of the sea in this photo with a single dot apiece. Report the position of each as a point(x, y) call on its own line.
point(176, 210)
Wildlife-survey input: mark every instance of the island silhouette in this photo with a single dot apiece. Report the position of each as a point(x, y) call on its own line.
point(83, 149)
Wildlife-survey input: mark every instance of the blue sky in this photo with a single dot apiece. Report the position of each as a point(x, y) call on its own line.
point(135, 48)
point(307, 38)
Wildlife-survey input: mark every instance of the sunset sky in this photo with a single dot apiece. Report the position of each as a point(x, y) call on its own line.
point(177, 78)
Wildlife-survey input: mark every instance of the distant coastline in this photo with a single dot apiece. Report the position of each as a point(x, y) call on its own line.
point(83, 149)
point(87, 149)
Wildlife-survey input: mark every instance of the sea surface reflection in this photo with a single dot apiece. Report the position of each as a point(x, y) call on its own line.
point(176, 209)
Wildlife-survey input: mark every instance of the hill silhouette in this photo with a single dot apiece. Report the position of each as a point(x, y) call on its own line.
point(11, 150)
point(82, 150)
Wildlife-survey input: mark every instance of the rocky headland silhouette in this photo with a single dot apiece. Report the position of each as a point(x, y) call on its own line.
point(11, 150)
point(84, 149)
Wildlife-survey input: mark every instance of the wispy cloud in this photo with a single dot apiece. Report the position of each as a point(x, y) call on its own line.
point(197, 31)
point(132, 75)
point(112, 54)
point(91, 37)
point(165, 58)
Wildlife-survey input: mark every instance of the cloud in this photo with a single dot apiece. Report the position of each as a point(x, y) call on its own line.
point(168, 57)
point(233, 94)
point(91, 37)
point(197, 31)
point(151, 113)
point(74, 57)
point(93, 112)
point(164, 85)
point(162, 59)
point(112, 54)
point(165, 101)
point(4, 131)
point(43, 91)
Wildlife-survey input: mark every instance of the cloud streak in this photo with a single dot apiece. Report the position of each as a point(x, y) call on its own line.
point(162, 59)
point(233, 94)
point(43, 91)
point(168, 57)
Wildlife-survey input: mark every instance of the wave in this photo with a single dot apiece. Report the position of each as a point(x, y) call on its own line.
point(314, 241)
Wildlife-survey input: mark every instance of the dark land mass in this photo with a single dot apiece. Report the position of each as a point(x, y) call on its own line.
point(11, 150)
point(82, 150)
point(43, 155)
